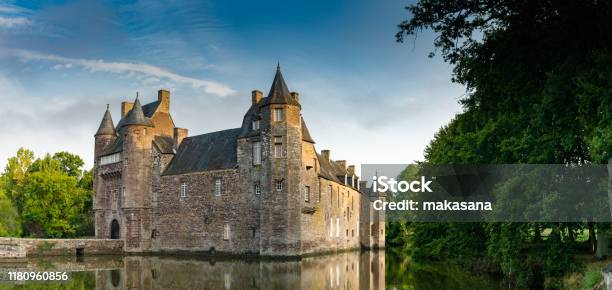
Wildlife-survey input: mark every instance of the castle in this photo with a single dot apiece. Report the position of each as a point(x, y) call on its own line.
point(260, 189)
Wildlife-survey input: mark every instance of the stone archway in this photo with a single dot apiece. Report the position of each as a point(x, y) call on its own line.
point(115, 232)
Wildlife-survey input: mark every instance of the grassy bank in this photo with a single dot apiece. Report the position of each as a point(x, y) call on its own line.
point(590, 274)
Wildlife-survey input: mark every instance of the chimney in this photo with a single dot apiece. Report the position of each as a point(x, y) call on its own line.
point(325, 154)
point(342, 163)
point(256, 96)
point(163, 97)
point(351, 170)
point(296, 96)
point(126, 107)
point(179, 135)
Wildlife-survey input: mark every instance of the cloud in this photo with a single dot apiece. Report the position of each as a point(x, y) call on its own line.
point(127, 68)
point(10, 22)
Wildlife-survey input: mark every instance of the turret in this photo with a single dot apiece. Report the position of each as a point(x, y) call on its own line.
point(139, 132)
point(138, 136)
point(106, 133)
point(281, 131)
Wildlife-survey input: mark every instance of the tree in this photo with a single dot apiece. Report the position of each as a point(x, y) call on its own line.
point(538, 76)
point(46, 197)
point(69, 163)
point(53, 200)
point(9, 220)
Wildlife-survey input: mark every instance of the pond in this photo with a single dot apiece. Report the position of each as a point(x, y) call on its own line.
point(351, 270)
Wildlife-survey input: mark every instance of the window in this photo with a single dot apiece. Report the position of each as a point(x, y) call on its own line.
point(108, 159)
point(331, 198)
point(278, 147)
point(217, 186)
point(257, 153)
point(154, 196)
point(226, 231)
point(255, 125)
point(279, 185)
point(279, 114)
point(123, 192)
point(337, 227)
point(184, 189)
point(307, 194)
point(257, 189)
point(319, 194)
point(331, 227)
point(338, 197)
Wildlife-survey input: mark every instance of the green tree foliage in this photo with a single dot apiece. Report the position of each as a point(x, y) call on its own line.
point(46, 197)
point(539, 84)
point(9, 220)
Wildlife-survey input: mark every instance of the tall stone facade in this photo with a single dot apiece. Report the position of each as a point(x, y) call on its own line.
point(261, 189)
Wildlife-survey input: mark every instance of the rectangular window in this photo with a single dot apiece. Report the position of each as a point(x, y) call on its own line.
point(279, 115)
point(307, 194)
point(279, 185)
point(278, 147)
point(255, 125)
point(108, 159)
point(123, 191)
point(184, 189)
point(331, 197)
point(226, 231)
point(217, 186)
point(337, 227)
point(257, 189)
point(256, 153)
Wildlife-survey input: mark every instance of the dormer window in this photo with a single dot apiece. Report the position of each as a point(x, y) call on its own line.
point(255, 125)
point(279, 115)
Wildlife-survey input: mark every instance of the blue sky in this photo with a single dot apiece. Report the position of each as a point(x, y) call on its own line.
point(364, 96)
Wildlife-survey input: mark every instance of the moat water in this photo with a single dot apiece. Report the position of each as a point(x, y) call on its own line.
point(352, 270)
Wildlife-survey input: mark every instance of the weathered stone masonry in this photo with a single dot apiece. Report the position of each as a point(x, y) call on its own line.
point(259, 189)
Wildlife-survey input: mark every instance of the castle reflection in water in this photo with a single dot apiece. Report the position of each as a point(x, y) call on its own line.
point(351, 270)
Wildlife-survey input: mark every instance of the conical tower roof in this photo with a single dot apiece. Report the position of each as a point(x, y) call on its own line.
point(279, 93)
point(136, 116)
point(106, 126)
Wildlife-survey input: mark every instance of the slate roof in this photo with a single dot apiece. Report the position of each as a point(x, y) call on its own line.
point(136, 116)
point(147, 110)
point(106, 126)
point(305, 133)
point(327, 170)
point(165, 144)
point(279, 92)
point(212, 151)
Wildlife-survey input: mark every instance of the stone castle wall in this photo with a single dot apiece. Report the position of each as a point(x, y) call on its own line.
point(155, 217)
point(19, 248)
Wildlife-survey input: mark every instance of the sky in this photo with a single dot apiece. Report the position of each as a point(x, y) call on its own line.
point(364, 96)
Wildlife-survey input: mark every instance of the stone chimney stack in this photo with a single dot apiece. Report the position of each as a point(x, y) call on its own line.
point(351, 170)
point(342, 163)
point(125, 108)
point(296, 96)
point(179, 135)
point(256, 96)
point(325, 155)
point(163, 97)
